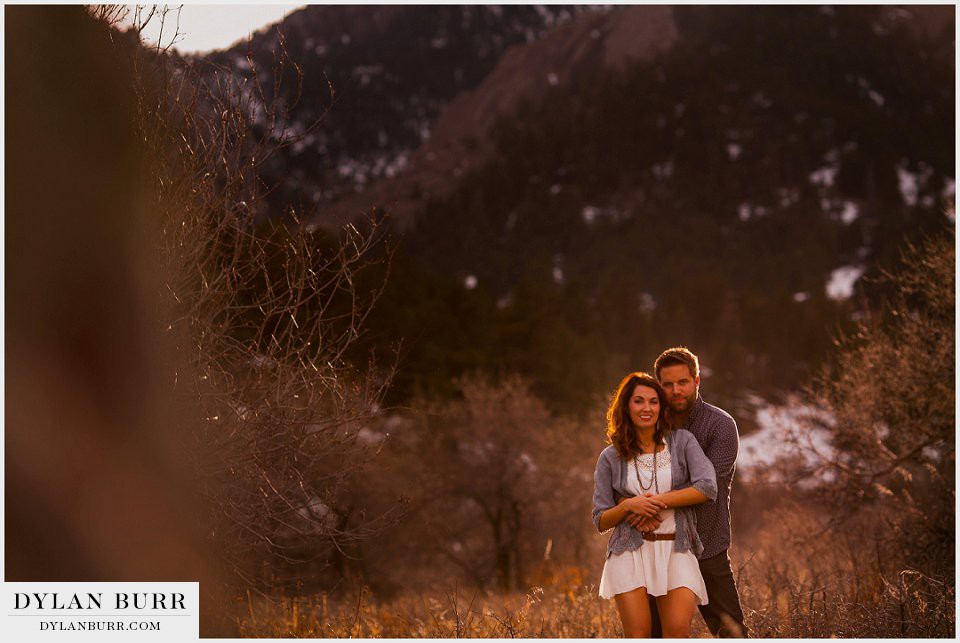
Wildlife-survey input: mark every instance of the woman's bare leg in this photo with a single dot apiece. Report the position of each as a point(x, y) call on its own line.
point(634, 613)
point(676, 612)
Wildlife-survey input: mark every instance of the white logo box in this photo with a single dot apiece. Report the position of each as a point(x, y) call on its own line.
point(101, 611)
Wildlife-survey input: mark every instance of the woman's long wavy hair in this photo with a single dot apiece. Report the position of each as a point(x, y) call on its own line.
point(620, 429)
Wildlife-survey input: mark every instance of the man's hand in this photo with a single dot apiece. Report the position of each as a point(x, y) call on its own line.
point(648, 524)
point(642, 523)
point(639, 521)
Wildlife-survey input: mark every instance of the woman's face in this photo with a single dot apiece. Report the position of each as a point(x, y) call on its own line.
point(644, 407)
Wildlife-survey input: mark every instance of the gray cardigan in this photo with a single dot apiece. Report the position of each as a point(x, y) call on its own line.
point(689, 468)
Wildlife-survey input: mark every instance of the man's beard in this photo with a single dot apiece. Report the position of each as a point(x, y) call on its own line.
point(683, 405)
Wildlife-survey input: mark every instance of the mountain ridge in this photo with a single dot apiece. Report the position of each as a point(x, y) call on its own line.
point(392, 69)
point(715, 193)
point(457, 142)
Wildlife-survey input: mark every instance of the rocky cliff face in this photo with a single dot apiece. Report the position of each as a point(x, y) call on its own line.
point(459, 140)
point(408, 95)
point(378, 77)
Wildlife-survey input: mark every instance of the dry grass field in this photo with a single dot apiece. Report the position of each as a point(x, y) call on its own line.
point(793, 582)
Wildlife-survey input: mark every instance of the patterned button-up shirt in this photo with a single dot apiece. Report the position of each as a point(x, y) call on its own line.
point(716, 431)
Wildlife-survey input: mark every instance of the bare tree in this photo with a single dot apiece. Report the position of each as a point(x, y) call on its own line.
point(888, 401)
point(500, 482)
point(261, 313)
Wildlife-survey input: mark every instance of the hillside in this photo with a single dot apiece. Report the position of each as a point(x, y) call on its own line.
point(713, 176)
point(378, 77)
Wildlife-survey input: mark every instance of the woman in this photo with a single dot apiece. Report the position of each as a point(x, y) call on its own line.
point(657, 474)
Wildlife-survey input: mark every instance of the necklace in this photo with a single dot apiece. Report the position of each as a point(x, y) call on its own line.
point(653, 477)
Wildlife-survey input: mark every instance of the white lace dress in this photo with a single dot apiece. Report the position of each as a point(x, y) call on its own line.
point(654, 565)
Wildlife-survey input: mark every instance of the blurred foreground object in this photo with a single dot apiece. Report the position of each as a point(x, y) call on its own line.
point(94, 491)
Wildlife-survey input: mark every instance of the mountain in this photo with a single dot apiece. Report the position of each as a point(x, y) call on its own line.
point(377, 77)
point(459, 138)
point(718, 177)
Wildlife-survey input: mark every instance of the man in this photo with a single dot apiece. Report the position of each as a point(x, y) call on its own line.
point(679, 373)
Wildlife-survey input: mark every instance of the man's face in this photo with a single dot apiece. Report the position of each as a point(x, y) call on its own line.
point(680, 386)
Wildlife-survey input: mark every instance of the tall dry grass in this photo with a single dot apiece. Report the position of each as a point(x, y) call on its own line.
point(794, 582)
point(540, 613)
point(798, 579)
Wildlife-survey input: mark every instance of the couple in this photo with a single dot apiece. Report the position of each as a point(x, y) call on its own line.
point(663, 488)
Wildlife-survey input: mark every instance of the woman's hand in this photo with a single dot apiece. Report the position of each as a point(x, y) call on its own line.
point(638, 507)
point(646, 506)
point(639, 522)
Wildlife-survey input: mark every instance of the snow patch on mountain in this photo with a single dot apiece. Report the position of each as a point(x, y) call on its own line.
point(792, 430)
point(841, 282)
point(910, 183)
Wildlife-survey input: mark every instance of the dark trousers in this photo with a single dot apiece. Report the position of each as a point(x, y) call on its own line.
point(722, 613)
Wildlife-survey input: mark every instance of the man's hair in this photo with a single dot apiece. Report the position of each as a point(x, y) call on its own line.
point(677, 355)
